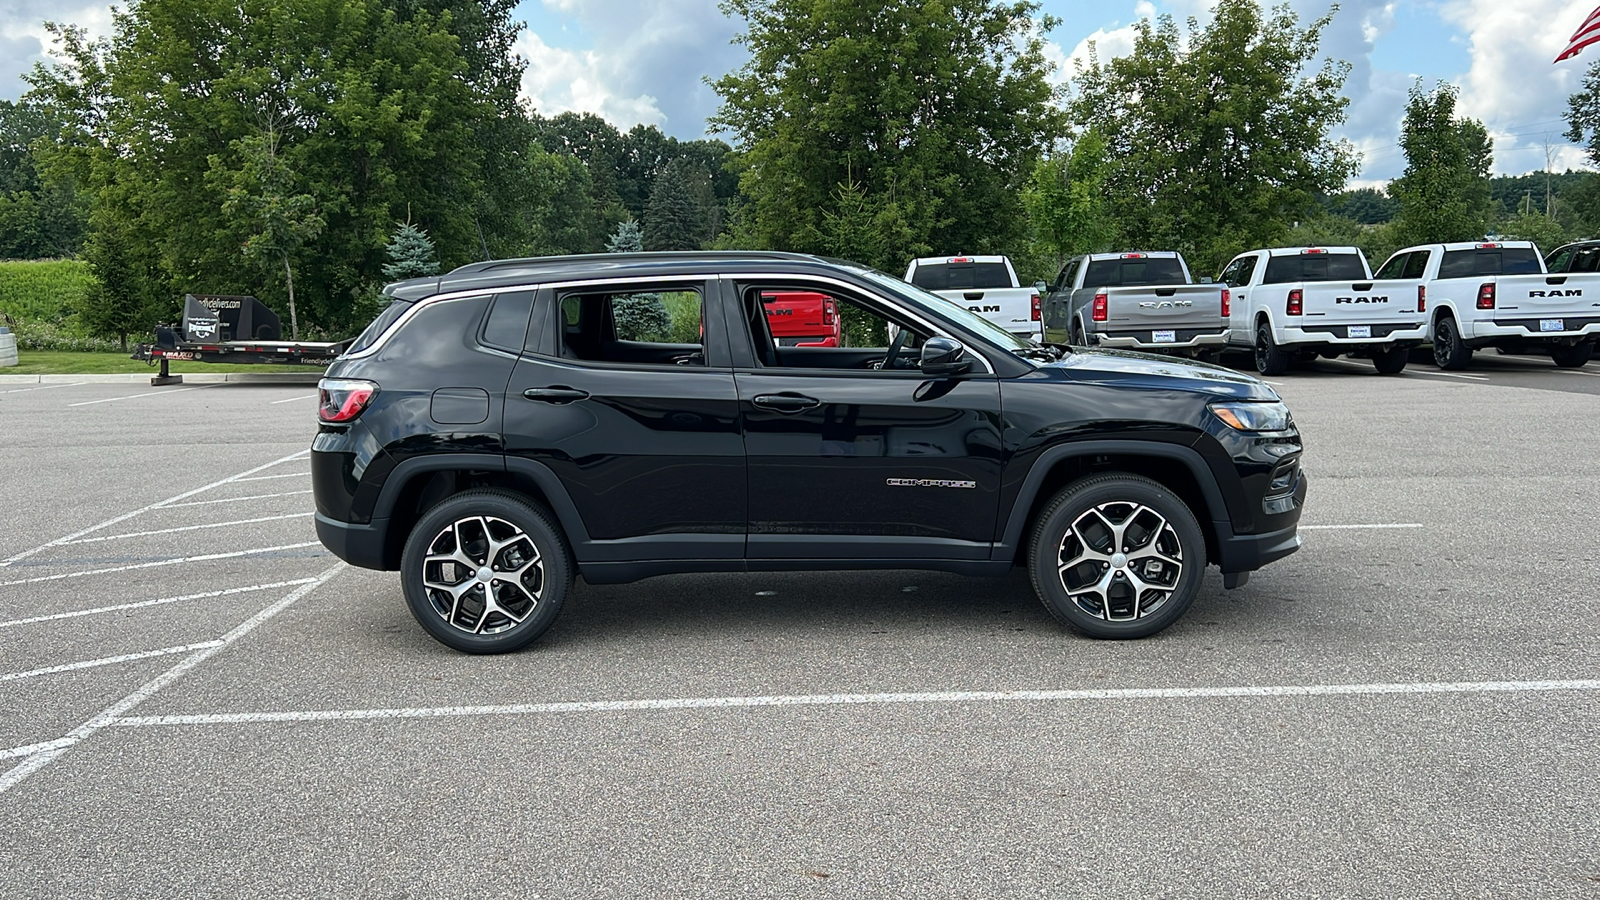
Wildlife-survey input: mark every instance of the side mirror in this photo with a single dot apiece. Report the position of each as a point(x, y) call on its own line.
point(943, 356)
point(1041, 287)
point(1205, 279)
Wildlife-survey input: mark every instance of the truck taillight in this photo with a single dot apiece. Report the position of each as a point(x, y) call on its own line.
point(827, 313)
point(1034, 307)
point(342, 399)
point(1422, 298)
point(1100, 312)
point(1227, 303)
point(1296, 303)
point(1486, 295)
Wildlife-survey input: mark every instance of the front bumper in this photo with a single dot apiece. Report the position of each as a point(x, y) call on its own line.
point(1248, 552)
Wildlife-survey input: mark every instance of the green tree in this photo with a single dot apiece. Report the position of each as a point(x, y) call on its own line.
point(411, 254)
point(935, 110)
point(1066, 203)
point(125, 296)
point(1368, 206)
point(1218, 139)
point(676, 217)
point(637, 314)
point(1443, 194)
point(626, 239)
point(1533, 226)
point(39, 216)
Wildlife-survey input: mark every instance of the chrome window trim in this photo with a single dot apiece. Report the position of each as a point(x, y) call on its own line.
point(417, 306)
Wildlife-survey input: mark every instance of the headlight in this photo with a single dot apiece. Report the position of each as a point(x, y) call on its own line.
point(1253, 416)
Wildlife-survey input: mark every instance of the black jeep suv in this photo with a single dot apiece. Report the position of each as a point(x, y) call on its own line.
point(503, 428)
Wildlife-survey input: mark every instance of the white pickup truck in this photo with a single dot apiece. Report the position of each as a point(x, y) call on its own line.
point(986, 285)
point(1319, 301)
point(1496, 294)
point(1135, 301)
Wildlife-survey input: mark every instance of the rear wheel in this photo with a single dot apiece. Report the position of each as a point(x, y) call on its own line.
point(1077, 339)
point(1390, 361)
point(486, 571)
point(1116, 556)
point(1270, 358)
point(1573, 356)
point(1448, 350)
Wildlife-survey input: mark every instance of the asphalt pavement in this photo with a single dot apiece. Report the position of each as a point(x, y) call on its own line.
point(197, 700)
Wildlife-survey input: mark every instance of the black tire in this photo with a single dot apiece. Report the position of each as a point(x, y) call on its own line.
point(1270, 358)
point(1448, 350)
point(1081, 596)
point(1390, 361)
point(1078, 338)
point(1574, 356)
point(468, 526)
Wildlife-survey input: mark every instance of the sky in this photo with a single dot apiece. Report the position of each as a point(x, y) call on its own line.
point(646, 61)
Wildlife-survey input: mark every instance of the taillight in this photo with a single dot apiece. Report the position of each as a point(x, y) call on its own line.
point(342, 399)
point(1486, 296)
point(1034, 307)
point(827, 313)
point(1227, 303)
point(1422, 298)
point(1296, 303)
point(1100, 312)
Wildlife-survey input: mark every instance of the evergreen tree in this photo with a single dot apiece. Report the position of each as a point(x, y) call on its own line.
point(638, 316)
point(411, 254)
point(626, 239)
point(674, 219)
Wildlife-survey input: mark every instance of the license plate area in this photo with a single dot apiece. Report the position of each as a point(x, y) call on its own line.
point(1164, 337)
point(1360, 331)
point(1552, 324)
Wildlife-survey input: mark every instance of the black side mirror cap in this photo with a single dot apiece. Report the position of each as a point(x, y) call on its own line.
point(942, 356)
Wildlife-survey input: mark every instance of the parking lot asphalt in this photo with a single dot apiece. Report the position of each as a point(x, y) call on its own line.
point(197, 700)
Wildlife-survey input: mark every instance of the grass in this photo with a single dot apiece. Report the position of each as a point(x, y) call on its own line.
point(53, 362)
point(41, 290)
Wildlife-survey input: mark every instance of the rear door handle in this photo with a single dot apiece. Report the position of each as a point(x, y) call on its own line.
point(785, 403)
point(557, 394)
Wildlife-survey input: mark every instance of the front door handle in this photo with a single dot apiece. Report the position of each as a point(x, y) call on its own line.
point(786, 402)
point(558, 394)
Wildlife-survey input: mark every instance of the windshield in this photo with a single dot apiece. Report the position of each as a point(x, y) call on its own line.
point(939, 306)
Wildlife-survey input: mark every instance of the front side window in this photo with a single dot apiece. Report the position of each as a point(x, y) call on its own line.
point(639, 327)
point(793, 327)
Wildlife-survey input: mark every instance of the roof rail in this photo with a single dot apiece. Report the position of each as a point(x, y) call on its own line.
point(654, 256)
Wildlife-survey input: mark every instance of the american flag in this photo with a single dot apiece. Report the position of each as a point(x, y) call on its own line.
point(1587, 33)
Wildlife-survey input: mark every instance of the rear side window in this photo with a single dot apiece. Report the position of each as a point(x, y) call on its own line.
point(382, 323)
point(1129, 272)
point(1396, 265)
point(961, 276)
point(1416, 264)
point(1489, 261)
point(1314, 267)
point(506, 326)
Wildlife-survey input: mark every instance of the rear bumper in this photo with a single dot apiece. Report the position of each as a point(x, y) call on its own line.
point(1145, 341)
point(1577, 328)
point(358, 545)
point(1381, 333)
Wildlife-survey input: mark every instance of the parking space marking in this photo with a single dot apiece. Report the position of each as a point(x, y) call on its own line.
point(31, 749)
point(270, 477)
point(159, 504)
point(226, 592)
point(35, 761)
point(43, 388)
point(1449, 375)
point(1383, 525)
point(108, 661)
point(1176, 693)
point(139, 396)
point(293, 399)
point(207, 557)
point(233, 499)
point(134, 534)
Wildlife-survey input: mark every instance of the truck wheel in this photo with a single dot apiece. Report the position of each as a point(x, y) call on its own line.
point(1572, 357)
point(1116, 556)
point(485, 571)
point(1448, 350)
point(1391, 360)
point(1270, 358)
point(1078, 339)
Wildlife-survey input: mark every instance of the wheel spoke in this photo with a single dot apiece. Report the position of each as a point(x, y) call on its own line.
point(1124, 587)
point(465, 549)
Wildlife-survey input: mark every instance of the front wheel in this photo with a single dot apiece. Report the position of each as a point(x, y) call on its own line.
point(486, 571)
point(1391, 361)
point(1116, 556)
point(1572, 356)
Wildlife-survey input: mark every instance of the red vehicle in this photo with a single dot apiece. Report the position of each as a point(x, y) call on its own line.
point(802, 318)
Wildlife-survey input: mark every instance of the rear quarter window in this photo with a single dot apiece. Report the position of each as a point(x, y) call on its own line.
point(381, 324)
point(961, 276)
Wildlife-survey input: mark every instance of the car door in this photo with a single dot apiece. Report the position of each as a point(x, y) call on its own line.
point(1058, 303)
point(629, 399)
point(1237, 279)
point(852, 458)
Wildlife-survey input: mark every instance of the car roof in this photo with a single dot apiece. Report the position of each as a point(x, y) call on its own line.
point(533, 270)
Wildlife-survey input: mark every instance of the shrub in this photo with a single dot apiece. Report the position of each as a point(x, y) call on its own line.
point(42, 290)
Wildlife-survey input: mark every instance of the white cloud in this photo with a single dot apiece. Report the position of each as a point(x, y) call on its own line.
point(559, 81)
point(24, 40)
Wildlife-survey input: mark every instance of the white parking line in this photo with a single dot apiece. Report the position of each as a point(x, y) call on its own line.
point(233, 499)
point(44, 388)
point(293, 399)
point(227, 592)
point(31, 749)
point(270, 477)
point(1174, 693)
point(1385, 525)
point(144, 509)
point(35, 761)
point(134, 534)
point(1448, 375)
point(109, 660)
point(164, 562)
point(139, 396)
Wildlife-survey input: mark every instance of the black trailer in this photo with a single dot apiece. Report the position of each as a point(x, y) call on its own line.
point(220, 328)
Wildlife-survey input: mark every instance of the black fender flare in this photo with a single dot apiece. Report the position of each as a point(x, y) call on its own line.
point(549, 483)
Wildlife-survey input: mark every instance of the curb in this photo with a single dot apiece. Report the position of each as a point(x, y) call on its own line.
point(310, 378)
